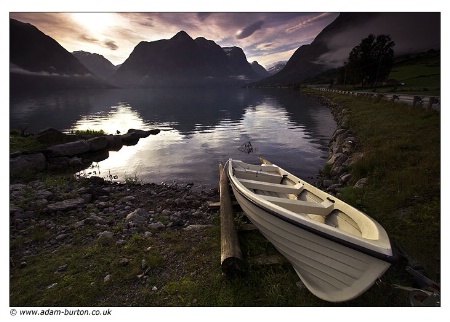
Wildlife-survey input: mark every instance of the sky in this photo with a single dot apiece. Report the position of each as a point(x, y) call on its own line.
point(268, 32)
point(267, 37)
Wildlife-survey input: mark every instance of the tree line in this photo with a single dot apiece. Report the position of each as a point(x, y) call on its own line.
point(368, 63)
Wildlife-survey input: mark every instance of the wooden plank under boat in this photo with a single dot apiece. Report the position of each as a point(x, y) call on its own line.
point(337, 251)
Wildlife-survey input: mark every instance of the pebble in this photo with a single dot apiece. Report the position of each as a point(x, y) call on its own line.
point(157, 226)
point(105, 238)
point(361, 183)
point(124, 261)
point(61, 269)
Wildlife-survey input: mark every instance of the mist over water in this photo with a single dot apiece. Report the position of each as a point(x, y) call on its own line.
point(200, 129)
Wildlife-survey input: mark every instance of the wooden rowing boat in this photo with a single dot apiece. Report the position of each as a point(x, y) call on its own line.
point(337, 251)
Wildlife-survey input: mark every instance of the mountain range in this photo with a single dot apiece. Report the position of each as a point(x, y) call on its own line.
point(183, 61)
point(38, 61)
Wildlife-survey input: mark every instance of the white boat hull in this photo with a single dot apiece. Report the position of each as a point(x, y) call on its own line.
point(330, 268)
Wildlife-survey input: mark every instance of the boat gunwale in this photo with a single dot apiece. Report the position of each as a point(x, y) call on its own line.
point(384, 257)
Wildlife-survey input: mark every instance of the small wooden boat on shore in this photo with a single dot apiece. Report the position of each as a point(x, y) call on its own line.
point(337, 251)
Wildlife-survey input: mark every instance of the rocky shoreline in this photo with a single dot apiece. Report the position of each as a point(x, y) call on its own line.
point(342, 151)
point(65, 152)
point(100, 212)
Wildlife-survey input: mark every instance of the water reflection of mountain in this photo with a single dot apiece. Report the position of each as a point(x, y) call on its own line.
point(307, 112)
point(59, 109)
point(186, 110)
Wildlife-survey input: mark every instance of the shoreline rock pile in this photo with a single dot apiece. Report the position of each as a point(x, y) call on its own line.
point(74, 153)
point(342, 151)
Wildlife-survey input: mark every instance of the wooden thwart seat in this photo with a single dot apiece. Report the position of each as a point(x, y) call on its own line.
point(300, 206)
point(247, 174)
point(274, 187)
point(263, 167)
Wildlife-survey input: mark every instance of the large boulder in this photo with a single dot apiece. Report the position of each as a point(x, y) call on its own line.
point(132, 136)
point(27, 162)
point(138, 217)
point(53, 136)
point(130, 139)
point(69, 149)
point(97, 143)
point(65, 205)
point(143, 133)
point(114, 142)
point(94, 156)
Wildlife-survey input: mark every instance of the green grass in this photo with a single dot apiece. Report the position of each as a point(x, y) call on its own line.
point(184, 270)
point(401, 146)
point(87, 133)
point(418, 79)
point(420, 74)
point(22, 143)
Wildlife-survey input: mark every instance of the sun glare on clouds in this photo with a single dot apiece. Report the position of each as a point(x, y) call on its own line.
point(96, 23)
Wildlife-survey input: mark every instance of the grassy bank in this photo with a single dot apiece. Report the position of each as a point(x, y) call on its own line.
point(401, 147)
point(412, 74)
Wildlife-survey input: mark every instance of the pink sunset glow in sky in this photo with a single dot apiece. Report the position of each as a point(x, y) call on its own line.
point(266, 37)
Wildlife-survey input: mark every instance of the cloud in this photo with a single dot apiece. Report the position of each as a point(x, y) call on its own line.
point(308, 22)
point(148, 22)
point(249, 30)
point(202, 16)
point(86, 38)
point(265, 46)
point(111, 44)
point(124, 33)
point(19, 70)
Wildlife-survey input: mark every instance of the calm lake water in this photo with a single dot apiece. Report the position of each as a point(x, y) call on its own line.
point(200, 128)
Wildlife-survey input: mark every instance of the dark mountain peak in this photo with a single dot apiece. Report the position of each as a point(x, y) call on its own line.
point(96, 63)
point(203, 42)
point(238, 62)
point(260, 70)
point(40, 62)
point(275, 68)
point(182, 36)
point(82, 53)
point(32, 50)
point(235, 54)
point(24, 25)
point(209, 46)
point(233, 50)
point(183, 61)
